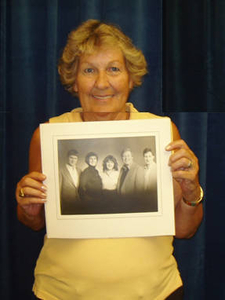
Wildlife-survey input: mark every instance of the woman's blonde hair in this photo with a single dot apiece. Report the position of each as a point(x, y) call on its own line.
point(91, 35)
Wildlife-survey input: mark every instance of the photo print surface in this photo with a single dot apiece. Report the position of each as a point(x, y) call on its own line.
point(108, 181)
point(108, 175)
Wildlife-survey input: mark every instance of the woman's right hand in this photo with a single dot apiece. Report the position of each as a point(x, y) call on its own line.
point(31, 194)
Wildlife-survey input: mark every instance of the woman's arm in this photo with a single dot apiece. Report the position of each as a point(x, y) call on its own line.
point(30, 208)
point(184, 167)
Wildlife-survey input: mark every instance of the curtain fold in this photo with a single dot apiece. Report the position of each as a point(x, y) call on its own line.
point(194, 56)
point(215, 241)
point(4, 240)
point(190, 254)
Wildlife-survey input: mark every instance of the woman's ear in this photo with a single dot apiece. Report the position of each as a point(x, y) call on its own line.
point(75, 88)
point(131, 84)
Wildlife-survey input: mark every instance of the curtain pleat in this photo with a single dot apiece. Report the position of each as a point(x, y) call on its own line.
point(4, 240)
point(194, 56)
point(190, 254)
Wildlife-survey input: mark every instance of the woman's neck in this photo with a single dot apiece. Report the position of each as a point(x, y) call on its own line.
point(109, 171)
point(105, 116)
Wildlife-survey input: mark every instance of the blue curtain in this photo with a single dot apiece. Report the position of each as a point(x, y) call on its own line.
point(193, 49)
point(33, 33)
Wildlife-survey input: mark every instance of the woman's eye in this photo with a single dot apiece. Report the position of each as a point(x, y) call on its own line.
point(114, 69)
point(88, 70)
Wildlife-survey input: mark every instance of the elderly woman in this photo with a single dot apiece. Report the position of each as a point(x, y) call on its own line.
point(101, 66)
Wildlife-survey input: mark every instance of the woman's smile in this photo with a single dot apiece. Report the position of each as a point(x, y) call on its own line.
point(103, 97)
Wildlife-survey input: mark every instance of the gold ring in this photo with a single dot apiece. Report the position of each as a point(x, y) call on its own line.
point(21, 193)
point(190, 164)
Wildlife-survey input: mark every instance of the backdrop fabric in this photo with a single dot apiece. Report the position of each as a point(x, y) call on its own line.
point(172, 36)
point(194, 43)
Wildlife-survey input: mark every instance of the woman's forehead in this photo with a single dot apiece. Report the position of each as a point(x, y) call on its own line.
point(103, 52)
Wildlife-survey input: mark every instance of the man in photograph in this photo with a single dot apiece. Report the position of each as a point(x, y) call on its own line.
point(69, 177)
point(150, 170)
point(127, 186)
point(148, 181)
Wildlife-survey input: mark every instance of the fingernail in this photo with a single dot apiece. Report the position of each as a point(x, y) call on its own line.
point(168, 147)
point(44, 188)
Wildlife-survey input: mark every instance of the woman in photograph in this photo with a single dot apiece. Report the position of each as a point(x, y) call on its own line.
point(101, 66)
point(90, 188)
point(109, 175)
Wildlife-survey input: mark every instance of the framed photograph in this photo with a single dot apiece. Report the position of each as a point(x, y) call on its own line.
point(108, 179)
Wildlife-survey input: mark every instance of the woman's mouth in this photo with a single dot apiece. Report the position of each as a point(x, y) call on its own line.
point(102, 97)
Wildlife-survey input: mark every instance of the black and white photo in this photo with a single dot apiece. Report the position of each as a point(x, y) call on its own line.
point(109, 175)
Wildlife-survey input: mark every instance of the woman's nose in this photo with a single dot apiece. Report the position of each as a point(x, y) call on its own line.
point(102, 80)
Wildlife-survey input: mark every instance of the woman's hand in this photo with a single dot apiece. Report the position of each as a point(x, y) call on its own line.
point(31, 196)
point(184, 167)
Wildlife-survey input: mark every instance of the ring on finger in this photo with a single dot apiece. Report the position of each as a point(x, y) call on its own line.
point(21, 193)
point(190, 164)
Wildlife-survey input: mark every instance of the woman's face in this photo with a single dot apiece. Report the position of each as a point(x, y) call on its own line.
point(103, 84)
point(110, 165)
point(93, 161)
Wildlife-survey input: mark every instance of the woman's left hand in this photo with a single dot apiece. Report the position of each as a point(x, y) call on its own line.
point(184, 167)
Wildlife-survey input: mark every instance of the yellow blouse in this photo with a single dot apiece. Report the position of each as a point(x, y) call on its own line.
point(114, 269)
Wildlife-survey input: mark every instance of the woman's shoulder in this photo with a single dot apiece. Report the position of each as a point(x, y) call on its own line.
point(135, 114)
point(72, 116)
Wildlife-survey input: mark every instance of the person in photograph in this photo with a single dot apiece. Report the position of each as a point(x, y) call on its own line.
point(150, 168)
point(147, 179)
point(101, 66)
point(127, 186)
point(109, 175)
point(90, 188)
point(69, 176)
